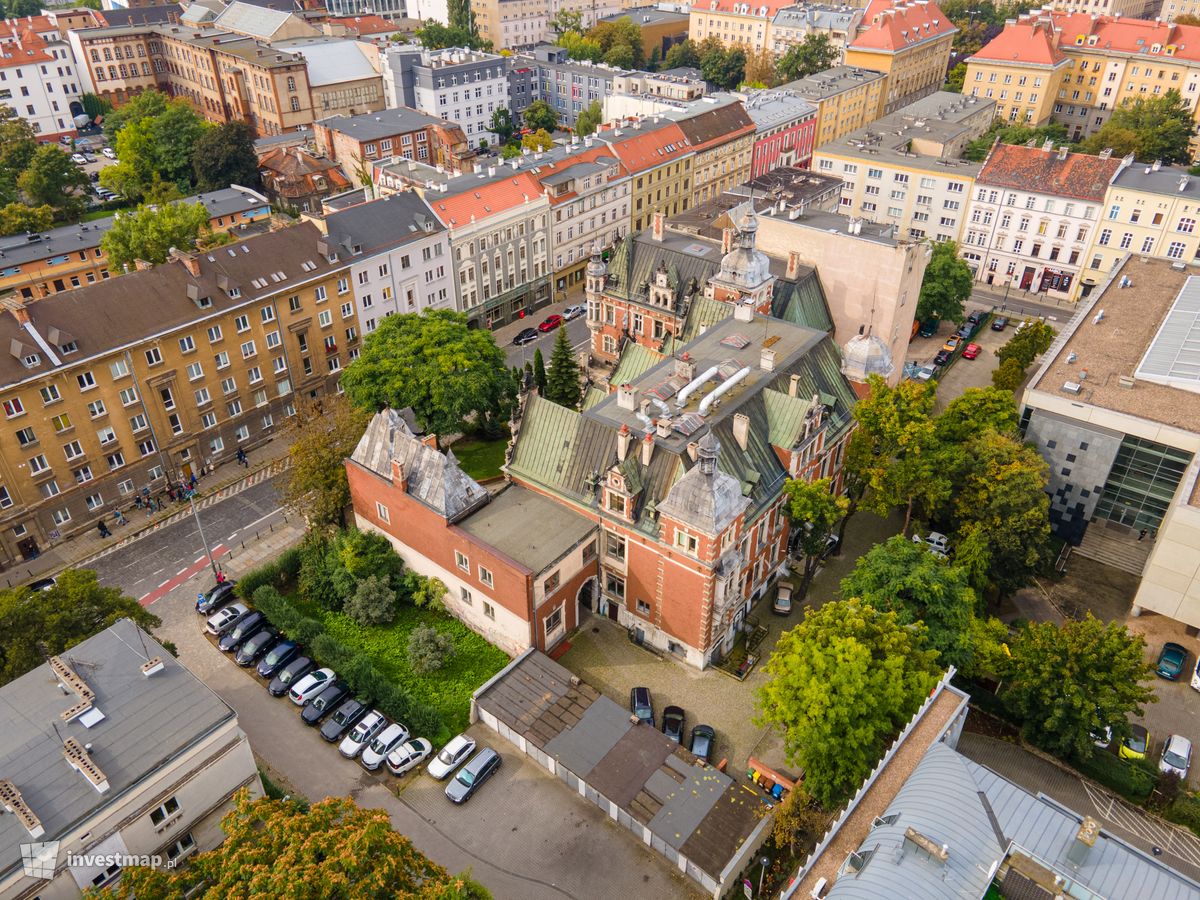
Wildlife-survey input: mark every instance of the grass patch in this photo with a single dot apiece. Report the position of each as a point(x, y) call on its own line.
point(449, 689)
point(481, 459)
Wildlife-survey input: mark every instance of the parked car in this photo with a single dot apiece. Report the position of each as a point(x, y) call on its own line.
point(938, 541)
point(1196, 676)
point(383, 744)
point(1136, 745)
point(1176, 755)
point(925, 373)
point(641, 706)
point(217, 597)
point(975, 318)
point(408, 756)
point(943, 357)
point(109, 152)
point(451, 756)
point(673, 723)
point(703, 738)
point(525, 336)
point(952, 343)
point(290, 675)
point(362, 734)
point(999, 323)
point(1101, 737)
point(220, 621)
point(345, 717)
point(574, 312)
point(972, 351)
point(322, 704)
point(277, 657)
point(783, 599)
point(43, 584)
point(929, 328)
point(255, 646)
point(309, 686)
point(549, 323)
point(1171, 660)
point(469, 778)
point(78, 158)
point(247, 624)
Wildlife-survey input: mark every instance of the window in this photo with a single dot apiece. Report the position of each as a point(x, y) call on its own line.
point(248, 349)
point(552, 581)
point(49, 394)
point(688, 543)
point(273, 340)
point(382, 512)
point(195, 371)
point(208, 420)
point(185, 844)
point(203, 397)
point(267, 313)
point(485, 575)
point(63, 422)
point(153, 357)
point(106, 435)
point(115, 461)
point(216, 445)
point(614, 585)
point(83, 474)
point(242, 324)
point(489, 610)
point(168, 399)
point(325, 319)
point(347, 310)
point(462, 562)
point(129, 396)
point(26, 437)
point(464, 595)
point(164, 812)
point(234, 407)
point(61, 516)
point(554, 621)
point(186, 344)
point(86, 381)
point(319, 294)
point(222, 360)
point(1175, 250)
point(214, 334)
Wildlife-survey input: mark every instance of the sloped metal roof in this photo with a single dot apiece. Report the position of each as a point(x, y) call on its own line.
point(785, 416)
point(635, 360)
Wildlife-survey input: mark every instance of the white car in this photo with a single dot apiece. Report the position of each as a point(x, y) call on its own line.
point(109, 152)
point(383, 744)
point(362, 733)
point(1176, 756)
point(408, 756)
point(574, 312)
point(937, 543)
point(78, 158)
point(223, 618)
point(925, 373)
point(451, 756)
point(309, 686)
point(783, 598)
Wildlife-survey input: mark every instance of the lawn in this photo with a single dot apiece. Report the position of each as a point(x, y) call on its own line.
point(481, 459)
point(447, 690)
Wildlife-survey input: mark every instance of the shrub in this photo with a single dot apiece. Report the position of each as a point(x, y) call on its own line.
point(422, 592)
point(373, 602)
point(364, 679)
point(429, 649)
point(1132, 779)
point(318, 566)
point(363, 553)
point(1185, 811)
point(289, 564)
point(266, 574)
point(330, 653)
point(307, 630)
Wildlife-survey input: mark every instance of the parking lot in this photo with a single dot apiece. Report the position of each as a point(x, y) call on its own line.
point(962, 373)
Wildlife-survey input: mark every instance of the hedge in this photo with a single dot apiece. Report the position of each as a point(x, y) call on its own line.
point(1185, 811)
point(279, 573)
point(1132, 779)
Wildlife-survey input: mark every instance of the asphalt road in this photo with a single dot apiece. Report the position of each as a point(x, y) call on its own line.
point(175, 551)
point(577, 333)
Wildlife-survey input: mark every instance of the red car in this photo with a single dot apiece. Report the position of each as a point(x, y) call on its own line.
point(972, 351)
point(551, 323)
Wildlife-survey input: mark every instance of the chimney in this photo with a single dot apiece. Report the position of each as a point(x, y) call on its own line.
point(685, 367)
point(399, 479)
point(189, 260)
point(626, 397)
point(152, 666)
point(793, 266)
point(726, 240)
point(659, 222)
point(794, 386)
point(647, 449)
point(664, 427)
point(1062, 152)
point(741, 429)
point(140, 265)
point(18, 310)
point(766, 360)
point(693, 450)
point(623, 438)
point(430, 440)
point(1048, 146)
point(743, 311)
point(1085, 840)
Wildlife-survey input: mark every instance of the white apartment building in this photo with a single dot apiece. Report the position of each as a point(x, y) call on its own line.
point(465, 87)
point(37, 78)
point(399, 255)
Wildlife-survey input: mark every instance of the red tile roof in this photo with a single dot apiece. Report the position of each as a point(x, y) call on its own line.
point(456, 210)
point(1032, 168)
point(371, 24)
point(757, 8)
point(640, 150)
point(564, 165)
point(1032, 42)
point(21, 47)
point(1026, 40)
point(894, 25)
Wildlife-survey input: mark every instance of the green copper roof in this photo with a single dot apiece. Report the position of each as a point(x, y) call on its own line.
point(702, 312)
point(546, 442)
point(635, 359)
point(785, 417)
point(802, 302)
point(593, 396)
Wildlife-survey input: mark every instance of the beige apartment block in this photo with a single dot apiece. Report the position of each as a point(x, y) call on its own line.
point(846, 98)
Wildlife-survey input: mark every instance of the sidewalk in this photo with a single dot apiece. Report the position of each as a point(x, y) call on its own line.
point(505, 333)
point(265, 462)
point(1023, 302)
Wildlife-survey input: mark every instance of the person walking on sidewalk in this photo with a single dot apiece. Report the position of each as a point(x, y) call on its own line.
point(120, 517)
point(104, 532)
point(241, 457)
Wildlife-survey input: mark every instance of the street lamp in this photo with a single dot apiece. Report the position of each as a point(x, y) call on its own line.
point(764, 862)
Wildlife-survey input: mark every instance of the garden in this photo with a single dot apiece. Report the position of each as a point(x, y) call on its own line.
point(348, 599)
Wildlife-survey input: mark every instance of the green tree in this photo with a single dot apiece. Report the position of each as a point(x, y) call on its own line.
point(976, 411)
point(150, 232)
point(322, 434)
point(145, 105)
point(155, 146)
point(225, 155)
point(18, 9)
point(51, 179)
point(436, 36)
point(461, 15)
point(840, 685)
point(946, 286)
point(580, 47)
point(856, 478)
point(510, 151)
point(454, 377)
point(622, 32)
point(372, 603)
point(589, 119)
point(683, 55)
point(760, 69)
point(540, 116)
point(1162, 127)
point(620, 56)
point(334, 847)
point(955, 79)
point(978, 149)
point(539, 371)
point(37, 624)
point(1008, 376)
point(813, 511)
point(905, 578)
point(563, 384)
point(16, 218)
point(1028, 342)
point(540, 140)
point(429, 649)
point(566, 20)
point(17, 146)
point(502, 125)
point(95, 106)
point(815, 53)
point(1064, 682)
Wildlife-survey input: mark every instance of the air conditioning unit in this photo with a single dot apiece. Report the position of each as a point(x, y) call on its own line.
point(1072, 387)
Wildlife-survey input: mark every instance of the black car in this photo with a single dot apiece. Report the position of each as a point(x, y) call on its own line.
point(975, 318)
point(289, 675)
point(255, 646)
point(525, 336)
point(278, 657)
point(929, 328)
point(216, 598)
point(966, 332)
point(703, 738)
point(640, 705)
point(942, 357)
point(247, 624)
point(673, 723)
point(343, 719)
point(999, 323)
point(325, 702)
point(481, 767)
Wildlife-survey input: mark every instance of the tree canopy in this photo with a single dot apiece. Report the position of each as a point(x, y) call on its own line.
point(322, 434)
point(1153, 128)
point(155, 144)
point(540, 116)
point(16, 218)
point(454, 377)
point(434, 35)
point(502, 124)
point(581, 48)
point(684, 55)
point(538, 140)
point(616, 34)
point(150, 232)
point(225, 155)
point(815, 53)
point(978, 149)
point(589, 119)
point(51, 179)
point(946, 286)
point(17, 146)
point(813, 510)
point(724, 67)
point(840, 685)
point(563, 385)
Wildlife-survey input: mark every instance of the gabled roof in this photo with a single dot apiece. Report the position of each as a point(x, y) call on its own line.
point(461, 209)
point(1024, 41)
point(717, 126)
point(333, 61)
point(890, 26)
point(1030, 41)
point(1043, 171)
point(647, 147)
point(389, 221)
point(256, 21)
point(19, 46)
point(757, 8)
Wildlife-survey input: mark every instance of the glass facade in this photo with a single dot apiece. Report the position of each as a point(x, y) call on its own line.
point(1143, 479)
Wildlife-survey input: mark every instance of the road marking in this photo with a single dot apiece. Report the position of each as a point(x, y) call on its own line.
point(273, 512)
point(184, 574)
point(168, 581)
point(199, 559)
point(184, 569)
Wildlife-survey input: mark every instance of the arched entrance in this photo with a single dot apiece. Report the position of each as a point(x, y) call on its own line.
point(76, 109)
point(585, 600)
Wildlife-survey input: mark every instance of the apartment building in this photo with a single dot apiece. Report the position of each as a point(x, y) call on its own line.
point(343, 75)
point(1033, 215)
point(464, 87)
point(722, 139)
point(1169, 10)
point(658, 158)
point(262, 22)
point(1148, 210)
point(522, 24)
point(785, 126)
point(34, 266)
point(84, 784)
point(734, 22)
point(38, 80)
point(299, 181)
point(136, 381)
point(227, 77)
point(793, 24)
point(399, 255)
point(569, 86)
point(846, 98)
point(661, 28)
point(354, 142)
point(1134, 9)
point(906, 170)
point(500, 235)
point(1087, 66)
point(909, 41)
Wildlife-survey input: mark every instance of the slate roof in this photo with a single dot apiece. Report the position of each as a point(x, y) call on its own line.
point(147, 722)
point(382, 124)
point(389, 221)
point(139, 15)
point(1041, 171)
point(716, 126)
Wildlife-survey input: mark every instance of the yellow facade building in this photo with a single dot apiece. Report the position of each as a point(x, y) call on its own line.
point(846, 97)
point(909, 42)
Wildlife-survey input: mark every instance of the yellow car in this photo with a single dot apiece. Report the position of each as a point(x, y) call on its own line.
point(1137, 745)
point(951, 343)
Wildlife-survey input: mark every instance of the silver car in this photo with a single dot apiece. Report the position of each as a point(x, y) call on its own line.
point(451, 756)
point(383, 744)
point(220, 621)
point(362, 734)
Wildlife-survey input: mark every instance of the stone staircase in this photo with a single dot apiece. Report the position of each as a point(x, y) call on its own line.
point(1115, 546)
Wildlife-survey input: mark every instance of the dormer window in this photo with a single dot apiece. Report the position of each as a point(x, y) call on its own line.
point(204, 302)
point(31, 360)
point(234, 293)
point(68, 348)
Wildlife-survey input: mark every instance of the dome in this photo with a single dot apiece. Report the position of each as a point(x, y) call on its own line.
point(865, 355)
point(596, 265)
point(745, 267)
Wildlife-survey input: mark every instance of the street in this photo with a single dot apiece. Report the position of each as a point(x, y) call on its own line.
point(577, 333)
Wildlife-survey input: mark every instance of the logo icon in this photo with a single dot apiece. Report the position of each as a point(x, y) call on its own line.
point(40, 859)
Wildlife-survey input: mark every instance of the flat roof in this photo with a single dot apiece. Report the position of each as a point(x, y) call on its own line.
point(381, 124)
point(1097, 355)
point(332, 60)
point(528, 527)
point(830, 82)
point(1169, 181)
point(650, 15)
point(147, 722)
